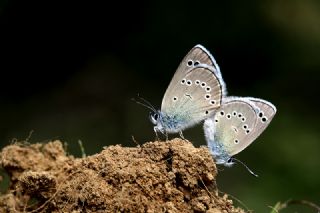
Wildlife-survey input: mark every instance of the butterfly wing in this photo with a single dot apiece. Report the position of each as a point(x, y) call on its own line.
point(196, 56)
point(194, 97)
point(205, 57)
point(249, 118)
point(234, 123)
point(266, 112)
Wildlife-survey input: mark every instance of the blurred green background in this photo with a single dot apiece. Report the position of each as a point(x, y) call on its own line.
point(69, 70)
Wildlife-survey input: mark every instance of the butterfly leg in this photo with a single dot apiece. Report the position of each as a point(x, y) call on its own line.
point(181, 135)
point(155, 129)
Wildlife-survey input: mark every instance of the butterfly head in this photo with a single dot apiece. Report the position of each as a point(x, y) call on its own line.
point(157, 118)
point(154, 117)
point(229, 162)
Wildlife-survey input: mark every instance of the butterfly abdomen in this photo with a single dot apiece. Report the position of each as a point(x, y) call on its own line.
point(218, 151)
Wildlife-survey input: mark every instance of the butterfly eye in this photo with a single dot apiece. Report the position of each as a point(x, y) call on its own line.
point(229, 161)
point(154, 117)
point(190, 63)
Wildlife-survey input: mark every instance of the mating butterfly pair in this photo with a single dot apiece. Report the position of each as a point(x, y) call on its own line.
point(197, 93)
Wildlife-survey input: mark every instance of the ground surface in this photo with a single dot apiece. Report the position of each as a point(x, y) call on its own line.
point(171, 176)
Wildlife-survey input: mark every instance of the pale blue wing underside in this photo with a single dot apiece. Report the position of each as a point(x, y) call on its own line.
point(236, 124)
point(193, 98)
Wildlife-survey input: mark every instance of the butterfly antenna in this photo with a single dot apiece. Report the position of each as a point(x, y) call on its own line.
point(249, 170)
point(147, 102)
point(143, 104)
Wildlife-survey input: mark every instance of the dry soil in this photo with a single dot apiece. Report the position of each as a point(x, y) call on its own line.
point(171, 176)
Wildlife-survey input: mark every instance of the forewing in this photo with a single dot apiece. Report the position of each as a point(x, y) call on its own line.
point(198, 55)
point(195, 96)
point(234, 124)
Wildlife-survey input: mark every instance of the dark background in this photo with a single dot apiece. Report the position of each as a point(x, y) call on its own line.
point(69, 70)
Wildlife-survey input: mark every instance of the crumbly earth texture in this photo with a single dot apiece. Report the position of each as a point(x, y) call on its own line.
point(171, 176)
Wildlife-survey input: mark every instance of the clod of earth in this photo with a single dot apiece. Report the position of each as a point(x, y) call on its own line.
point(171, 176)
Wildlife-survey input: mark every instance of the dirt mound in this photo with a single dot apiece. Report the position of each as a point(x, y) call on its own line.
point(171, 176)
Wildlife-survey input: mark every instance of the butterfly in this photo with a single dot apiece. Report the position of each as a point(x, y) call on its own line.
point(194, 93)
point(235, 125)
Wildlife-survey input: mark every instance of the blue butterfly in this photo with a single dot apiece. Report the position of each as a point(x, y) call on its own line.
point(194, 93)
